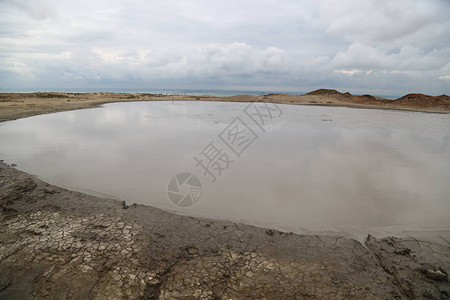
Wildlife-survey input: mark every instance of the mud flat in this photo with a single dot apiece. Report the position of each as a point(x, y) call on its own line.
point(57, 244)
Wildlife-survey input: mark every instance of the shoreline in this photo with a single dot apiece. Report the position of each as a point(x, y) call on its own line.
point(16, 105)
point(57, 243)
point(429, 233)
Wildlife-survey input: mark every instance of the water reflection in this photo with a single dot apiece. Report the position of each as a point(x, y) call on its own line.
point(316, 168)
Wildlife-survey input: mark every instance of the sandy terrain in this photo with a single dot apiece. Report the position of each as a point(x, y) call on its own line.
point(14, 106)
point(58, 244)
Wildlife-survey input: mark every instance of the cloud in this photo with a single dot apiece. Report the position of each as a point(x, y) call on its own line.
point(300, 45)
point(38, 9)
point(232, 61)
point(407, 58)
point(387, 22)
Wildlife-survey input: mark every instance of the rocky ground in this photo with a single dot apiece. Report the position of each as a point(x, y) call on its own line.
point(60, 244)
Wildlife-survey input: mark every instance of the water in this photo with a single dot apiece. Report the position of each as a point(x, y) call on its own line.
point(313, 169)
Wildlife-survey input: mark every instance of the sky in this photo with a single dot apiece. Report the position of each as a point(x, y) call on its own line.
point(380, 47)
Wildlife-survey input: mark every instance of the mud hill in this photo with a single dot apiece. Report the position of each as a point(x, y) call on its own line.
point(328, 92)
point(421, 99)
point(411, 101)
point(363, 99)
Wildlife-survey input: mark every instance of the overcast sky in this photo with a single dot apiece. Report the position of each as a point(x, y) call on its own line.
point(369, 46)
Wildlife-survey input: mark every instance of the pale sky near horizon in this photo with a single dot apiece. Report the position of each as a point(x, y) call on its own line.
point(373, 46)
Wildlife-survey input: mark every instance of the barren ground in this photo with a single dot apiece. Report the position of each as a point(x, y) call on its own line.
point(59, 244)
point(15, 106)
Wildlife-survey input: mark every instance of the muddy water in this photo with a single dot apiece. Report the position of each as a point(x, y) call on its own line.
point(309, 169)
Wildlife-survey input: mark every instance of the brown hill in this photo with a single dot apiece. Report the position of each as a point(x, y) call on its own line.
point(364, 99)
point(328, 92)
point(421, 99)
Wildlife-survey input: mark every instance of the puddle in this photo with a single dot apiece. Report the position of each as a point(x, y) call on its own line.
point(312, 169)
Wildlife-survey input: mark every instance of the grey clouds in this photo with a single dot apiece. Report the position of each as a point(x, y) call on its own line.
point(372, 46)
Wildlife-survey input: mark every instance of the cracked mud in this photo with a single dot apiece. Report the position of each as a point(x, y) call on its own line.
point(59, 244)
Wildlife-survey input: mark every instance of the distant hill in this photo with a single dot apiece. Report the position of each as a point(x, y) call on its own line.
point(328, 92)
point(413, 101)
point(345, 96)
point(421, 99)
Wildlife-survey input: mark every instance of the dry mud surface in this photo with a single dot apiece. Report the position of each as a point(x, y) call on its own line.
point(60, 244)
